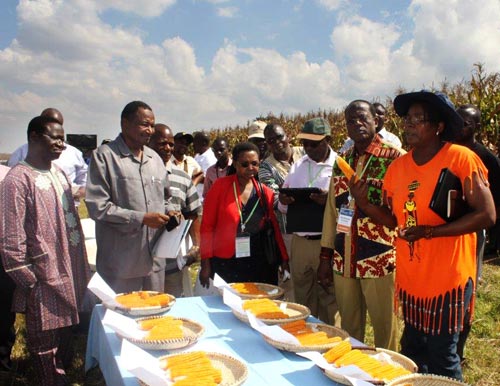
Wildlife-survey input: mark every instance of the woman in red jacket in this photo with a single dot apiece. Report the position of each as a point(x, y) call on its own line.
point(233, 225)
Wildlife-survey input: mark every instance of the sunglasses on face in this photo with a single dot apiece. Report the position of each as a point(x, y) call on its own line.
point(309, 143)
point(246, 164)
point(276, 139)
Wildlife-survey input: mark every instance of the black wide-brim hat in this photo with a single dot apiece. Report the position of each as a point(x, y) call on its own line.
point(453, 121)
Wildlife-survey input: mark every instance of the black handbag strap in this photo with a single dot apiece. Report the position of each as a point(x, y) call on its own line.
point(263, 200)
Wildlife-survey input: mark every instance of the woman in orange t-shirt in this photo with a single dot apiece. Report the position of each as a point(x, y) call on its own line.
point(435, 258)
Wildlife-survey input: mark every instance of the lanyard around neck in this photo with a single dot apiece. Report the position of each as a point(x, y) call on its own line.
point(350, 198)
point(365, 167)
point(311, 180)
point(243, 223)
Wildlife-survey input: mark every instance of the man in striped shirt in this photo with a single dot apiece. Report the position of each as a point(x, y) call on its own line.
point(184, 199)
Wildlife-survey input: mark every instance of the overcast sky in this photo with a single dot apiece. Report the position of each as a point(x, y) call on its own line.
point(202, 64)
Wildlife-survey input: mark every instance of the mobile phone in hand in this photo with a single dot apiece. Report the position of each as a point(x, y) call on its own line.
point(172, 223)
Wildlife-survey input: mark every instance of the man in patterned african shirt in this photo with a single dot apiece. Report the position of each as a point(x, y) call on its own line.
point(362, 252)
point(42, 249)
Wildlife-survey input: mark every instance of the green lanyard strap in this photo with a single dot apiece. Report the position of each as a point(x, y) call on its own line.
point(366, 165)
point(239, 209)
point(311, 180)
point(350, 199)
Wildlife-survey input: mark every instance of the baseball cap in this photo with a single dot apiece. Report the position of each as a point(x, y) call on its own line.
point(315, 129)
point(185, 135)
point(256, 129)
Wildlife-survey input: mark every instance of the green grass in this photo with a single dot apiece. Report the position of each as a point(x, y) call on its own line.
point(482, 366)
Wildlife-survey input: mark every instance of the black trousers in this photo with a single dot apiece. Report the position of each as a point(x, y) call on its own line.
point(245, 269)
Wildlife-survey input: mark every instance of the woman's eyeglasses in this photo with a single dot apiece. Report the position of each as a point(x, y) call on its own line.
point(246, 164)
point(414, 120)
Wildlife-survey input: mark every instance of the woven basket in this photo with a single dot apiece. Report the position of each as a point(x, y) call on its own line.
point(141, 311)
point(400, 359)
point(273, 292)
point(295, 312)
point(331, 331)
point(191, 331)
point(234, 372)
point(425, 380)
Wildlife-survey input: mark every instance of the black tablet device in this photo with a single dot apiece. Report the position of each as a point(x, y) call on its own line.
point(299, 194)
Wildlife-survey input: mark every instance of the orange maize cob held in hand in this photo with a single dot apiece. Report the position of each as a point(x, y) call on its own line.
point(345, 167)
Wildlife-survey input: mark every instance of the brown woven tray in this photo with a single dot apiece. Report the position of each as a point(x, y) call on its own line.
point(141, 311)
point(234, 372)
point(425, 380)
point(191, 330)
point(400, 359)
point(273, 292)
point(331, 331)
point(294, 310)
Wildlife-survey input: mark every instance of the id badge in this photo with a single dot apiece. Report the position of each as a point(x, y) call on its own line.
point(344, 221)
point(242, 246)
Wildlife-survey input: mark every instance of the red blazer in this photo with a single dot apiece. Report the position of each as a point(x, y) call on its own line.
point(221, 217)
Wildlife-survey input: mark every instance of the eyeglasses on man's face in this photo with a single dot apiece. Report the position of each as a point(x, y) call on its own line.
point(309, 143)
point(276, 139)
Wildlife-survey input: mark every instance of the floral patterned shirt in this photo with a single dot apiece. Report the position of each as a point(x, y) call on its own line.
point(368, 251)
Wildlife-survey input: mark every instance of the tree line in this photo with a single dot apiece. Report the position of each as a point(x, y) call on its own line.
point(482, 90)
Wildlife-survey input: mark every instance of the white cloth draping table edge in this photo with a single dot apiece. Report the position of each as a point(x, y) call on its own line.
point(266, 364)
